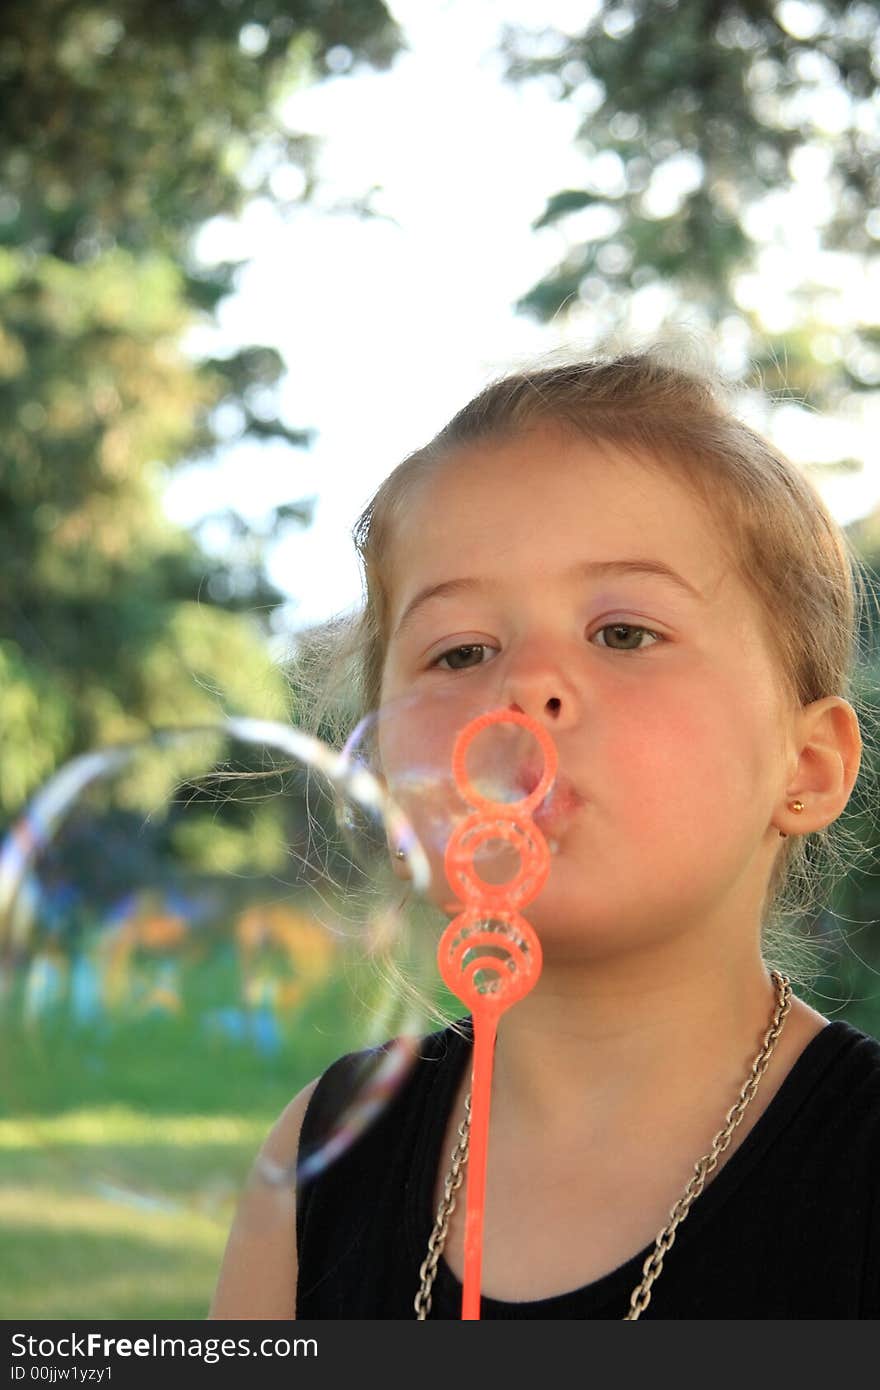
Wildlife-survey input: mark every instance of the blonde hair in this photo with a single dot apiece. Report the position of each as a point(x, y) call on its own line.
point(810, 590)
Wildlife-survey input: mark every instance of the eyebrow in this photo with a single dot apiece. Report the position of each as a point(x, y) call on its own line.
point(589, 569)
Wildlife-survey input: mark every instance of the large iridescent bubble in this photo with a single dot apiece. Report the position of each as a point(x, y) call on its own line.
point(194, 925)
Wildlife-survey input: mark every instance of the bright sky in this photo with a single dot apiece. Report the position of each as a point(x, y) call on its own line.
point(388, 326)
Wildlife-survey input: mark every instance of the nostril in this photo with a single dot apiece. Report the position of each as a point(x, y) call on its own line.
point(553, 704)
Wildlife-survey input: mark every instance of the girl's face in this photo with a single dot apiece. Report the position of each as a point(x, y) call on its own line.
point(592, 592)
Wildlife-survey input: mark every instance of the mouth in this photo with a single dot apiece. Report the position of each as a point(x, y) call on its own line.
point(558, 806)
point(527, 778)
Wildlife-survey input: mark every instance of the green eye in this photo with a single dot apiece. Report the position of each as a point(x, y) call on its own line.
point(461, 658)
point(628, 628)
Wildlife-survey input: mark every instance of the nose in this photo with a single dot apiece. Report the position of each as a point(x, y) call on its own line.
point(536, 684)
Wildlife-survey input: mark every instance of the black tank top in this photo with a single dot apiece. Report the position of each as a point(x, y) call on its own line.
point(789, 1228)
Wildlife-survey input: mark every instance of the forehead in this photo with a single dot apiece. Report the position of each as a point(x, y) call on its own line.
point(544, 501)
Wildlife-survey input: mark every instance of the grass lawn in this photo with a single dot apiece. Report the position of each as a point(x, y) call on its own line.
point(117, 1213)
point(122, 1153)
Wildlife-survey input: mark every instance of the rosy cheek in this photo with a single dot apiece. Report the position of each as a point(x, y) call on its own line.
point(649, 749)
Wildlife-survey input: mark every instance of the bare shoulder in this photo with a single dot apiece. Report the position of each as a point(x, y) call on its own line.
point(257, 1277)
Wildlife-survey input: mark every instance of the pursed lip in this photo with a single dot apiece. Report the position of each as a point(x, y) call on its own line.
point(558, 806)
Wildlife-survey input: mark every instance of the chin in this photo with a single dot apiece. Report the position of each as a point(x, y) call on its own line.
point(564, 914)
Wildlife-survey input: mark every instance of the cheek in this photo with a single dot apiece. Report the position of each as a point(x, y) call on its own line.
point(685, 760)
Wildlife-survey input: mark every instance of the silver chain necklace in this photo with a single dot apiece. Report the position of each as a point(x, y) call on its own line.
point(641, 1294)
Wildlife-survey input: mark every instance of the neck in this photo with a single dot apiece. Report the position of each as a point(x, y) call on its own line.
point(631, 1037)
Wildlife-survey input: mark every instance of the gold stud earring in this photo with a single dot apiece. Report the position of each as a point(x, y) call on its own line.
point(400, 854)
point(796, 806)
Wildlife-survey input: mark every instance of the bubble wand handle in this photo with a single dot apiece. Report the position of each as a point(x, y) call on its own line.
point(484, 1050)
point(490, 956)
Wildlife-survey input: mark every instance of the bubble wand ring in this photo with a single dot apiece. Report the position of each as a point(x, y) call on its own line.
point(484, 803)
point(512, 956)
point(518, 831)
point(490, 938)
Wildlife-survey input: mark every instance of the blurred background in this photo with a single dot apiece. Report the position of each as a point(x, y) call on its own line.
point(251, 253)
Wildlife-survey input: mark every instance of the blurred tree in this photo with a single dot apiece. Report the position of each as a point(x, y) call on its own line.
point(698, 117)
point(126, 124)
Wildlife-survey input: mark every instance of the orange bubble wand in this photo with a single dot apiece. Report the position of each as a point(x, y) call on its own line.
point(489, 955)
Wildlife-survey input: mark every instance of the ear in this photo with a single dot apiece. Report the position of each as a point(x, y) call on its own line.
point(828, 744)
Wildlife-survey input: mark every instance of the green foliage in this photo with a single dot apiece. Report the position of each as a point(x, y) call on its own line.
point(129, 121)
point(35, 719)
point(726, 97)
point(126, 125)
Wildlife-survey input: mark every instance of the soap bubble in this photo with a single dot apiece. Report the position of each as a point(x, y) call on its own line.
point(176, 913)
point(195, 924)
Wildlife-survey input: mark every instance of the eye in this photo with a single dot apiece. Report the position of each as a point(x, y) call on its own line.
point(461, 658)
point(628, 629)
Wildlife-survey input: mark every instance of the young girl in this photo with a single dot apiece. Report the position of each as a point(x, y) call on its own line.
point(604, 547)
